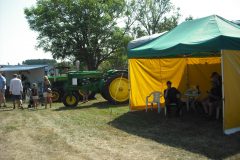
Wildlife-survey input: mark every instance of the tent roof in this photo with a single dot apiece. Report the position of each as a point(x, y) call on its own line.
point(237, 22)
point(21, 68)
point(199, 37)
point(142, 40)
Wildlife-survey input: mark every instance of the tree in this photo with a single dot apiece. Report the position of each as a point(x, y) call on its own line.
point(189, 18)
point(84, 30)
point(153, 16)
point(118, 60)
point(39, 62)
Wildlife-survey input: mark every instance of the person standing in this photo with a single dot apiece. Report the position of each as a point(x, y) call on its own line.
point(16, 90)
point(47, 91)
point(35, 95)
point(3, 88)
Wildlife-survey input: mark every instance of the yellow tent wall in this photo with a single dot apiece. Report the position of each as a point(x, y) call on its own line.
point(200, 70)
point(231, 83)
point(147, 75)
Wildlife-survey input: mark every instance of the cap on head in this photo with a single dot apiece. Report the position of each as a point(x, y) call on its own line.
point(15, 75)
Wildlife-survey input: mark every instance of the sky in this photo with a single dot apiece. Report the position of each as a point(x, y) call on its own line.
point(17, 41)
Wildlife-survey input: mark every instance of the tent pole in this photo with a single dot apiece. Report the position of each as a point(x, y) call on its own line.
point(188, 85)
point(129, 86)
point(223, 97)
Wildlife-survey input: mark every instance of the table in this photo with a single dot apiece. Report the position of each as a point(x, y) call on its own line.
point(191, 98)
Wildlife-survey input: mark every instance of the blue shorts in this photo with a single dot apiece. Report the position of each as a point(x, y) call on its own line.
point(16, 97)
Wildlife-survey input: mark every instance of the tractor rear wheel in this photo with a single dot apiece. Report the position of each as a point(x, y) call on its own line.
point(116, 89)
point(70, 100)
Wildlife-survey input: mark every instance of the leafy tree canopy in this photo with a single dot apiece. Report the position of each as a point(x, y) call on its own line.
point(88, 30)
point(189, 18)
point(39, 62)
point(84, 30)
point(153, 16)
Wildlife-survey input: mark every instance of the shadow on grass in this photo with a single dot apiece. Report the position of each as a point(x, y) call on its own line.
point(99, 105)
point(191, 132)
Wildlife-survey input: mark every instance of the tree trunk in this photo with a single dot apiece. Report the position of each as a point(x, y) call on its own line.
point(91, 64)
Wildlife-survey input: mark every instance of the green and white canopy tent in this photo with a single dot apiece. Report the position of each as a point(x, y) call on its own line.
point(205, 35)
point(211, 36)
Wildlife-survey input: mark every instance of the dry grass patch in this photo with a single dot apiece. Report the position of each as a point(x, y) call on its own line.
point(97, 130)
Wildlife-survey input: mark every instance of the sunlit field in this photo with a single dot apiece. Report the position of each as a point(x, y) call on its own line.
point(97, 130)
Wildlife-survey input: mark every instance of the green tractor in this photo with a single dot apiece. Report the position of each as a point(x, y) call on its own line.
point(113, 86)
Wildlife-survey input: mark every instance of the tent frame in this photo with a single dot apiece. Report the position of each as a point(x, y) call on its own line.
point(223, 96)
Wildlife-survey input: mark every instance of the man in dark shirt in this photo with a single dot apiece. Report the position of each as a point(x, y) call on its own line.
point(172, 96)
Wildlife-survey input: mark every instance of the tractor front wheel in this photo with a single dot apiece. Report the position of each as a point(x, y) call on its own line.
point(56, 95)
point(70, 100)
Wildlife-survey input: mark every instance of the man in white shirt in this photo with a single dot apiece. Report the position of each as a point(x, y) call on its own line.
point(16, 89)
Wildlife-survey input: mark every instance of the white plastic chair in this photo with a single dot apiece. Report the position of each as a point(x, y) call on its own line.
point(156, 99)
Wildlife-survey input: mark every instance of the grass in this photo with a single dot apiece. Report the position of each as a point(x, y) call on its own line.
point(97, 130)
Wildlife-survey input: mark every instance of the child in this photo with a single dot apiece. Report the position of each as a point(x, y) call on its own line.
point(47, 92)
point(85, 93)
point(49, 97)
point(28, 97)
point(35, 95)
